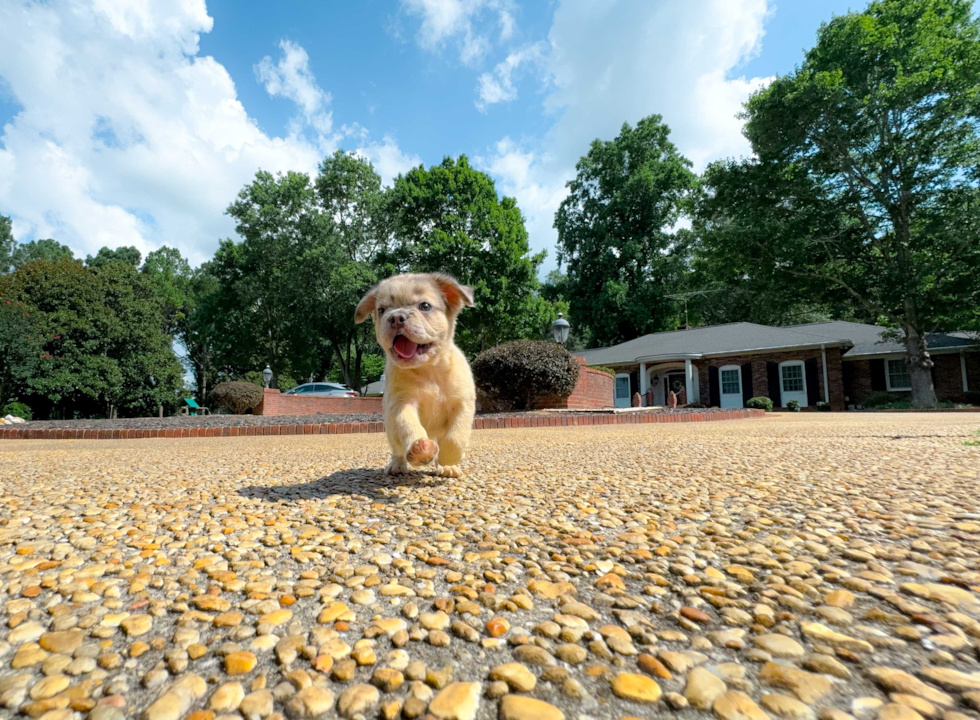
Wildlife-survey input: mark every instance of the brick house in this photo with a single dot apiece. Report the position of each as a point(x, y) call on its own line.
point(840, 363)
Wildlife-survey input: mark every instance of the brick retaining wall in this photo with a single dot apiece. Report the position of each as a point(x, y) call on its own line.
point(593, 391)
point(275, 403)
point(518, 421)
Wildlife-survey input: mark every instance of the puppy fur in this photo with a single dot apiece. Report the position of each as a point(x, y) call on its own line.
point(429, 397)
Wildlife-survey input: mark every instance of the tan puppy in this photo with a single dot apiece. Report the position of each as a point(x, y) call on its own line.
point(429, 397)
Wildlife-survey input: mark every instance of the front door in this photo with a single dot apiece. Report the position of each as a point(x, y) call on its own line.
point(792, 382)
point(676, 382)
point(623, 399)
point(730, 377)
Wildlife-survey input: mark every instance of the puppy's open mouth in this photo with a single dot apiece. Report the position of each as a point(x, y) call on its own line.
point(407, 349)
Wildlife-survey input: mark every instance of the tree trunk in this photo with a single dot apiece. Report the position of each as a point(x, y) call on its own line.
point(920, 369)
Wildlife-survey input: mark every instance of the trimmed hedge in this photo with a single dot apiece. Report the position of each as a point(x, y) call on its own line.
point(516, 375)
point(237, 397)
point(760, 402)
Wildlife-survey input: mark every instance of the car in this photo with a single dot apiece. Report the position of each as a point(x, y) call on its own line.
point(322, 389)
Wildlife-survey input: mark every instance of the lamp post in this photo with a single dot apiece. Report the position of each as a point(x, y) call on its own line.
point(267, 375)
point(560, 328)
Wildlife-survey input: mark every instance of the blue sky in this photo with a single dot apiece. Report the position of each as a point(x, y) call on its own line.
point(136, 121)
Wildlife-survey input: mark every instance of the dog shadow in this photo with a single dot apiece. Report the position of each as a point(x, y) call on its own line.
point(369, 484)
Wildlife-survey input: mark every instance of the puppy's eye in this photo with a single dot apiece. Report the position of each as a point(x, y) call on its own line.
point(381, 311)
point(424, 306)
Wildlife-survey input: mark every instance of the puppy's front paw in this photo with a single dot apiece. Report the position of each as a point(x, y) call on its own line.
point(396, 466)
point(450, 471)
point(422, 451)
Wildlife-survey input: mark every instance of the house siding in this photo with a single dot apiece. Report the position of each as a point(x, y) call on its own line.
point(760, 381)
point(947, 376)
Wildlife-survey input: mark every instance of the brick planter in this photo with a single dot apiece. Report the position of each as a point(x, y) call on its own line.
point(499, 423)
point(275, 403)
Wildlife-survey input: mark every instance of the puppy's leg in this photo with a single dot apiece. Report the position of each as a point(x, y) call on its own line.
point(452, 446)
point(408, 440)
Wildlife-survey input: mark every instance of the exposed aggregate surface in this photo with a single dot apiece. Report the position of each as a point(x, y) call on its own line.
point(795, 567)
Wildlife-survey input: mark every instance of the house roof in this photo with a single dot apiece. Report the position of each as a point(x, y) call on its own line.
point(874, 340)
point(728, 339)
point(743, 337)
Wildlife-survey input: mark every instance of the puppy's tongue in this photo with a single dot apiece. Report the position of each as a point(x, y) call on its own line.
point(405, 347)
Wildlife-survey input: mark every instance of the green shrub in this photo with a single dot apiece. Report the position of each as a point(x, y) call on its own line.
point(883, 400)
point(516, 375)
point(823, 406)
point(603, 368)
point(760, 402)
point(17, 409)
point(696, 406)
point(793, 406)
point(236, 396)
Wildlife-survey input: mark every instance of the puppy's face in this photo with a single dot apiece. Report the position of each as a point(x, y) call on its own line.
point(414, 315)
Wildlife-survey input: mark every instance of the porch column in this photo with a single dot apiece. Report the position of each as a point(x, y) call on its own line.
point(826, 383)
point(688, 381)
point(966, 385)
point(643, 384)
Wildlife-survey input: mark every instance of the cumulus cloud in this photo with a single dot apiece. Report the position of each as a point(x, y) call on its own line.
point(615, 62)
point(292, 79)
point(462, 21)
point(125, 135)
point(498, 86)
point(388, 159)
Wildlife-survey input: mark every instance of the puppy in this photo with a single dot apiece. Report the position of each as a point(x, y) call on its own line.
point(429, 397)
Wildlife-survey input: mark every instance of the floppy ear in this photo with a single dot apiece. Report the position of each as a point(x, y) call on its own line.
point(366, 306)
point(457, 295)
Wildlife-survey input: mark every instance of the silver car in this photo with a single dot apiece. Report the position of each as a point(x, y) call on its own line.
point(322, 389)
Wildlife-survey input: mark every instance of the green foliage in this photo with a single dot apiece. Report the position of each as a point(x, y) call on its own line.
point(881, 400)
point(17, 409)
point(515, 375)
point(863, 188)
point(21, 347)
point(823, 406)
point(615, 237)
point(793, 405)
point(448, 218)
point(128, 255)
point(105, 349)
point(760, 402)
point(695, 405)
point(6, 243)
point(973, 443)
point(238, 397)
point(603, 368)
point(46, 249)
point(171, 275)
point(286, 382)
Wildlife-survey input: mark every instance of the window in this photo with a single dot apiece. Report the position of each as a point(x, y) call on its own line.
point(622, 386)
point(792, 376)
point(731, 382)
point(898, 375)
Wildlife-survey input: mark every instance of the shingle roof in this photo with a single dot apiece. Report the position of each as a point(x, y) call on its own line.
point(698, 342)
point(874, 340)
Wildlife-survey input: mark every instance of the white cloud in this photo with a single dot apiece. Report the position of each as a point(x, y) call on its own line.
point(292, 79)
point(462, 21)
point(388, 159)
point(498, 86)
point(618, 61)
point(126, 136)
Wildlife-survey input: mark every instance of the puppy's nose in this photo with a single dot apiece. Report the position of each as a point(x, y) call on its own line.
point(396, 319)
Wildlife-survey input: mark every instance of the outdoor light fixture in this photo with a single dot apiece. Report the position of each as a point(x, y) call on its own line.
point(267, 375)
point(559, 329)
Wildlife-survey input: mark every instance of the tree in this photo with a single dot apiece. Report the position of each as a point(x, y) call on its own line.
point(103, 333)
point(125, 254)
point(6, 243)
point(170, 274)
point(45, 249)
point(262, 290)
point(867, 166)
point(615, 237)
point(21, 349)
point(449, 219)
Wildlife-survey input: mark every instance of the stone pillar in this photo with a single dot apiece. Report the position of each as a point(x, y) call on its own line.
point(643, 380)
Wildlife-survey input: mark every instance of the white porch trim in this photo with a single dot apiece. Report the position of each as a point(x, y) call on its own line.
point(966, 384)
point(643, 383)
point(826, 381)
point(688, 382)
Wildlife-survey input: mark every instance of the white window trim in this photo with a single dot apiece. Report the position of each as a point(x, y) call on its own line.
point(888, 376)
point(788, 363)
point(721, 385)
